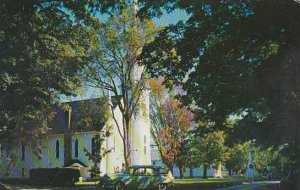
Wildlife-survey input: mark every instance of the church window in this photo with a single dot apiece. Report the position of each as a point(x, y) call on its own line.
point(76, 148)
point(93, 146)
point(145, 139)
point(145, 150)
point(23, 152)
point(40, 150)
point(57, 148)
point(23, 172)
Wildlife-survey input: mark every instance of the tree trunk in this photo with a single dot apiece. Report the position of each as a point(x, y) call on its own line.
point(229, 172)
point(191, 172)
point(68, 139)
point(67, 148)
point(181, 171)
point(123, 132)
point(205, 171)
point(126, 142)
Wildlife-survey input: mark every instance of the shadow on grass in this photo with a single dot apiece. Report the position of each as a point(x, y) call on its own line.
point(208, 184)
point(180, 184)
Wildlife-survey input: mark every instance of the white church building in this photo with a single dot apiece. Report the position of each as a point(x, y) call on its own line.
point(16, 163)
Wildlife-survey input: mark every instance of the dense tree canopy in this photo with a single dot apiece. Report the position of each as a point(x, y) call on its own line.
point(90, 114)
point(237, 158)
point(43, 45)
point(234, 57)
point(209, 150)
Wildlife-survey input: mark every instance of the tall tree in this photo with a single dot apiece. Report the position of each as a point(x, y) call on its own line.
point(209, 150)
point(237, 158)
point(43, 46)
point(116, 68)
point(236, 50)
point(170, 125)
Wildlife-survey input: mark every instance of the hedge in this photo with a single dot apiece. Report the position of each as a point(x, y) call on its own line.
point(54, 176)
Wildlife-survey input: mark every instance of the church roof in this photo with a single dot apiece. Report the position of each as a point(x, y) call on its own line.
point(86, 115)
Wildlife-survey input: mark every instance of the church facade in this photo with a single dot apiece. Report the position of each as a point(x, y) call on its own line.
point(17, 162)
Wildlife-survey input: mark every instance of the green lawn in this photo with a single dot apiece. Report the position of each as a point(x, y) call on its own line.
point(217, 183)
point(210, 183)
point(181, 184)
point(197, 183)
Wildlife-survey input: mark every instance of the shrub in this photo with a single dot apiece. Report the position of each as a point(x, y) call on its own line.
point(54, 176)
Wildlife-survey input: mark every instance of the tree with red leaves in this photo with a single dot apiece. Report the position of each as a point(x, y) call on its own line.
point(170, 124)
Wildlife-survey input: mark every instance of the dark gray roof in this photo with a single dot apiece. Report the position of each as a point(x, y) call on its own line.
point(60, 123)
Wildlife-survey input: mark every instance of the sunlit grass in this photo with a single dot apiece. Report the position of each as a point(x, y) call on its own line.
point(210, 183)
point(82, 183)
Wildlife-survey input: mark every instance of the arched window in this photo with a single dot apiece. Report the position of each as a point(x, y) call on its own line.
point(57, 148)
point(23, 172)
point(23, 152)
point(76, 148)
point(93, 146)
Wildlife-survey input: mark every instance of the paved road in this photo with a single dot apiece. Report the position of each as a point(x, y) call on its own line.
point(259, 185)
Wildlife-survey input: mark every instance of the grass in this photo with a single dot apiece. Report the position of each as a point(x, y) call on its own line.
point(218, 183)
point(197, 183)
point(185, 184)
point(210, 183)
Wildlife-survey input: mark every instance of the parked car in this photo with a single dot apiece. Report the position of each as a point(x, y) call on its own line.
point(139, 177)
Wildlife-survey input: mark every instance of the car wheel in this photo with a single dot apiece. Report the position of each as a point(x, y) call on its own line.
point(162, 186)
point(120, 186)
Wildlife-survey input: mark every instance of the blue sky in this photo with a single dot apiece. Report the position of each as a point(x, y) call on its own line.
point(171, 18)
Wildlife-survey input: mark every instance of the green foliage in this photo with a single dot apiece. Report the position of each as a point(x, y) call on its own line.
point(238, 156)
point(97, 154)
point(212, 150)
point(208, 150)
point(266, 156)
point(43, 46)
point(233, 57)
point(263, 156)
point(90, 114)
